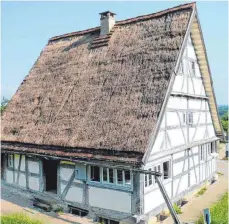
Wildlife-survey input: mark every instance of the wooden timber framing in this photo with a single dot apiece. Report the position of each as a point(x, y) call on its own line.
point(170, 152)
point(199, 45)
point(186, 95)
point(65, 191)
point(27, 172)
point(19, 168)
point(169, 90)
point(180, 148)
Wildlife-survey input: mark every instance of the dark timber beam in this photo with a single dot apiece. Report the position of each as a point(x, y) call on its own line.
point(189, 95)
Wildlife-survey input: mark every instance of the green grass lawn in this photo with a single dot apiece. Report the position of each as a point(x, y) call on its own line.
point(219, 212)
point(18, 218)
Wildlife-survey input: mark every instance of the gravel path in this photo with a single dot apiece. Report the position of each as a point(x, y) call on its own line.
point(193, 209)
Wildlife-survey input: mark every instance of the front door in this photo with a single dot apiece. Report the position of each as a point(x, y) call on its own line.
point(50, 175)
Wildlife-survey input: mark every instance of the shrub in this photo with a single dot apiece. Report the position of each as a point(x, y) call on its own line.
point(177, 209)
point(18, 218)
point(201, 191)
point(220, 174)
point(59, 210)
point(219, 212)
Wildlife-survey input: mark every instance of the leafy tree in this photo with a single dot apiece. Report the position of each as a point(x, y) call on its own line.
point(222, 110)
point(223, 113)
point(4, 104)
point(224, 121)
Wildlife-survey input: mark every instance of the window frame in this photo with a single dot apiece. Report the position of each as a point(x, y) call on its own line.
point(209, 148)
point(117, 178)
point(169, 170)
point(114, 176)
point(213, 147)
point(10, 161)
point(190, 118)
point(202, 157)
point(126, 183)
point(90, 174)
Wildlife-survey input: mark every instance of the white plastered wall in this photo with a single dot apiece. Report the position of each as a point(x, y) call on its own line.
point(17, 174)
point(188, 96)
point(75, 192)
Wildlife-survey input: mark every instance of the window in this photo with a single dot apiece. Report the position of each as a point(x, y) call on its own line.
point(150, 179)
point(127, 176)
point(190, 118)
point(105, 170)
point(111, 176)
point(119, 177)
point(201, 152)
point(209, 149)
point(95, 173)
point(166, 170)
point(146, 180)
point(78, 211)
point(213, 147)
point(10, 159)
point(157, 169)
point(193, 71)
point(107, 221)
point(184, 118)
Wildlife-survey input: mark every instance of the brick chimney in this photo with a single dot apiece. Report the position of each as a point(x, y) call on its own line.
point(107, 21)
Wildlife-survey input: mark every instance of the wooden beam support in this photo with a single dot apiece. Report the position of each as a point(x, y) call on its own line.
point(19, 168)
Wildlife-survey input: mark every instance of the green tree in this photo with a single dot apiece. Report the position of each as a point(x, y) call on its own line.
point(4, 104)
point(224, 121)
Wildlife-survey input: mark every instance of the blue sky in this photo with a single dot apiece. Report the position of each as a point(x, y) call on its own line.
point(27, 26)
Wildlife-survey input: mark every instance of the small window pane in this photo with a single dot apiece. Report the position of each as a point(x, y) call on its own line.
point(155, 169)
point(113, 222)
point(95, 173)
point(212, 147)
point(146, 180)
point(201, 152)
point(193, 68)
point(190, 118)
point(111, 175)
point(166, 170)
point(10, 161)
point(159, 168)
point(105, 174)
point(150, 178)
point(127, 177)
point(184, 118)
point(209, 149)
point(119, 177)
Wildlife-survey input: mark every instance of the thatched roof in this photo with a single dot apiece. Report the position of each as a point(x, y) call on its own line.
point(103, 98)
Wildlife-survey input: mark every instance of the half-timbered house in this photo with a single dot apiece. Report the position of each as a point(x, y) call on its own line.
point(103, 102)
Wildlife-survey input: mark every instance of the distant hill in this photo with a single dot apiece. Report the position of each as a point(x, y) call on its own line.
point(223, 109)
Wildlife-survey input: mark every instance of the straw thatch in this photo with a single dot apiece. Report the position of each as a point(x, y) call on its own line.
point(103, 98)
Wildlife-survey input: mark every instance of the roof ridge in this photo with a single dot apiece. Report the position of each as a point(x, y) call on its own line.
point(128, 21)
